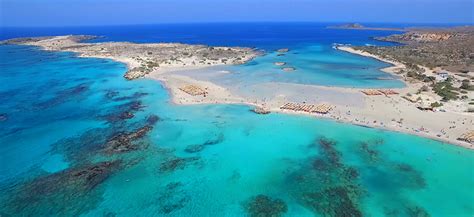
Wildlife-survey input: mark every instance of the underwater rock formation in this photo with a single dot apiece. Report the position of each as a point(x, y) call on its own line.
point(264, 206)
point(113, 139)
point(409, 177)
point(173, 198)
point(369, 152)
point(332, 155)
point(63, 96)
point(126, 115)
point(174, 163)
point(194, 148)
point(199, 147)
point(334, 201)
point(215, 141)
point(152, 119)
point(121, 116)
point(95, 174)
point(112, 95)
point(325, 185)
point(417, 211)
point(53, 194)
point(123, 142)
point(135, 105)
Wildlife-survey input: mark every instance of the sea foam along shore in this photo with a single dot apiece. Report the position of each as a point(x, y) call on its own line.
point(349, 104)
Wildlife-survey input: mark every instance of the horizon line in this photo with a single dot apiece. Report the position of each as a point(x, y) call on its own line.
point(237, 22)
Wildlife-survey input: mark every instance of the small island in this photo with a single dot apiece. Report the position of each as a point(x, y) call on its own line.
point(358, 26)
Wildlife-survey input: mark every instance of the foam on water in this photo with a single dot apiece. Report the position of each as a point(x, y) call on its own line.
point(203, 160)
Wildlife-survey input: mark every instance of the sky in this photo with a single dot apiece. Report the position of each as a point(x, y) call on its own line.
point(120, 12)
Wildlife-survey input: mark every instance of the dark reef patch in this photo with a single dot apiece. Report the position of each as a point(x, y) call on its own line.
point(114, 96)
point(219, 138)
point(265, 206)
point(111, 140)
point(53, 194)
point(334, 201)
point(325, 185)
point(152, 119)
point(199, 147)
point(64, 95)
point(409, 177)
point(417, 211)
point(120, 116)
point(194, 148)
point(369, 152)
point(173, 198)
point(174, 163)
point(123, 142)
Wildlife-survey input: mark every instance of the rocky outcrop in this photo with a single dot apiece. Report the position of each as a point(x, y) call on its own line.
point(261, 111)
point(283, 50)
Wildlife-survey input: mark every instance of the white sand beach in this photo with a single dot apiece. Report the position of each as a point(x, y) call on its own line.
point(391, 112)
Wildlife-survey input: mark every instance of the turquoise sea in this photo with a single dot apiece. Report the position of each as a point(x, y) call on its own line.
point(79, 140)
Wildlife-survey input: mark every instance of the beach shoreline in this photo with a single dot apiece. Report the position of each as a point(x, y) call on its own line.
point(391, 113)
point(352, 115)
point(180, 98)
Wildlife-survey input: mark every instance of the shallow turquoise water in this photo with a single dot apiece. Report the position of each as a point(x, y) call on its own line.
point(206, 160)
point(317, 64)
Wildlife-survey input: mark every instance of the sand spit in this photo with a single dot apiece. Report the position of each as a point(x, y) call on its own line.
point(386, 110)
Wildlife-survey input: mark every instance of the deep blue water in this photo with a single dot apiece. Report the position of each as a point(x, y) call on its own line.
point(311, 46)
point(67, 149)
point(261, 35)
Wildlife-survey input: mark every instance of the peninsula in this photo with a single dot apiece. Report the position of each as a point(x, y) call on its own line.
point(141, 59)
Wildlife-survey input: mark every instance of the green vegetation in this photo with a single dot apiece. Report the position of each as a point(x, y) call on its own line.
point(453, 53)
point(151, 64)
point(436, 104)
point(446, 90)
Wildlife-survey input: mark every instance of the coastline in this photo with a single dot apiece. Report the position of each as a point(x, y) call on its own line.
point(390, 69)
point(180, 98)
point(362, 115)
point(356, 115)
